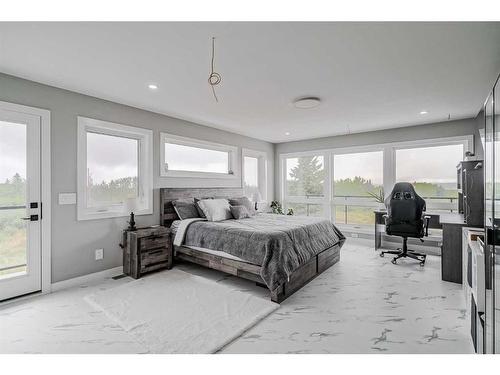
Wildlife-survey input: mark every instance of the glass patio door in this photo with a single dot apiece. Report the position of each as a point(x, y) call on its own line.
point(20, 206)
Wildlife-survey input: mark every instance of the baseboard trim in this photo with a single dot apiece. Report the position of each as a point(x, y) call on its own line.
point(80, 280)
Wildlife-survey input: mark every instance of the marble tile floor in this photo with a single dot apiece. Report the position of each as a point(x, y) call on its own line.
point(363, 304)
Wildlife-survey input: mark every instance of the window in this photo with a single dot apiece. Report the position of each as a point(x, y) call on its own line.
point(114, 169)
point(347, 185)
point(114, 179)
point(357, 186)
point(255, 174)
point(251, 175)
point(184, 157)
point(305, 186)
point(432, 171)
point(305, 176)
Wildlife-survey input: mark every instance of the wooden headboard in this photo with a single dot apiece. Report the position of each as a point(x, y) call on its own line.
point(167, 195)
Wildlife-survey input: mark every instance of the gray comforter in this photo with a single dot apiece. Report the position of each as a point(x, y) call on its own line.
point(279, 244)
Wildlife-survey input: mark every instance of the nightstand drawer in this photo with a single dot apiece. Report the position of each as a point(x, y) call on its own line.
point(153, 242)
point(146, 250)
point(153, 256)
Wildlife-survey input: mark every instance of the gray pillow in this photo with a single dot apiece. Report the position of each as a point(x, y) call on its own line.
point(239, 212)
point(185, 209)
point(216, 209)
point(200, 211)
point(244, 201)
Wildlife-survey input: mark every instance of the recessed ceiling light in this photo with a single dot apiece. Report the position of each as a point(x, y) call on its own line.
point(423, 112)
point(152, 86)
point(287, 133)
point(307, 102)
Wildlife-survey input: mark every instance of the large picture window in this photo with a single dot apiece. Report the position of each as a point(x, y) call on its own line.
point(114, 169)
point(305, 176)
point(305, 185)
point(185, 157)
point(112, 177)
point(357, 186)
point(347, 185)
point(432, 171)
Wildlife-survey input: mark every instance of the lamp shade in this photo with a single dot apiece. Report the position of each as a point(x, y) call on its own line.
point(256, 197)
point(131, 204)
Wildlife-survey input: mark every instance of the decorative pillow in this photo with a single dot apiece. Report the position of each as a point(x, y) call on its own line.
point(244, 201)
point(239, 212)
point(185, 208)
point(200, 211)
point(215, 209)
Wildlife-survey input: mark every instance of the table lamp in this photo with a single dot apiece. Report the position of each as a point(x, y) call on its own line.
point(256, 197)
point(131, 206)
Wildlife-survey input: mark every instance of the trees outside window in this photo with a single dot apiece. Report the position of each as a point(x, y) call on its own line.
point(306, 176)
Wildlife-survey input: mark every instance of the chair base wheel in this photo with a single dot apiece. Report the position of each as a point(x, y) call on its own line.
point(381, 255)
point(394, 261)
point(422, 263)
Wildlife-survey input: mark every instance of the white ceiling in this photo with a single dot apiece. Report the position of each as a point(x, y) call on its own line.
point(368, 75)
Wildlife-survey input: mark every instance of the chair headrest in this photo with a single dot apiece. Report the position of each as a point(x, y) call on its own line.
point(404, 191)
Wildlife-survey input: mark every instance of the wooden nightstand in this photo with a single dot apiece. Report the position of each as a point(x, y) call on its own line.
point(145, 250)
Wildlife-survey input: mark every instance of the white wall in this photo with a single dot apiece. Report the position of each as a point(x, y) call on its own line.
point(74, 242)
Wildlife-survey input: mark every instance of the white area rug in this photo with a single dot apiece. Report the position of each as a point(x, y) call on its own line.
point(176, 312)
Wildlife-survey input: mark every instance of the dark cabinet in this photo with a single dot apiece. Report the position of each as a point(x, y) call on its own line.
point(492, 220)
point(451, 252)
point(471, 192)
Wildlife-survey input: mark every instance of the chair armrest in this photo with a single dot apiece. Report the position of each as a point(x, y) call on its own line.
point(427, 218)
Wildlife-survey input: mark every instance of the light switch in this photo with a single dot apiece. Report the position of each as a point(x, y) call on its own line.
point(99, 254)
point(67, 198)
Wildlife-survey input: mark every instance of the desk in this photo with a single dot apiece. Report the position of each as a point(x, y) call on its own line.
point(451, 248)
point(435, 222)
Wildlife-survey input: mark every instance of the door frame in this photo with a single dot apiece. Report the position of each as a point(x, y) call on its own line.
point(45, 181)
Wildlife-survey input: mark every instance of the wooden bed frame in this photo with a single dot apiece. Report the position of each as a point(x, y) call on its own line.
point(298, 278)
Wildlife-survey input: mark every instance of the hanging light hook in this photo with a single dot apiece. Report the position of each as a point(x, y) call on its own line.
point(214, 78)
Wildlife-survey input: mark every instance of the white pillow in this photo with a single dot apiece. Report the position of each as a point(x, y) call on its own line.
point(216, 209)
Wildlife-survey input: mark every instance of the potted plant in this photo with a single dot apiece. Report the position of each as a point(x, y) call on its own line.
point(378, 196)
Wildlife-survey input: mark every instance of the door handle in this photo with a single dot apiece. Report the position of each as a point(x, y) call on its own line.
point(30, 218)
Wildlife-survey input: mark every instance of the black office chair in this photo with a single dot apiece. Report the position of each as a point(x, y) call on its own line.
point(405, 218)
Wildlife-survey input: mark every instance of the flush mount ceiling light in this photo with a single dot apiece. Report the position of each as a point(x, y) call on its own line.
point(287, 133)
point(307, 102)
point(423, 112)
point(152, 86)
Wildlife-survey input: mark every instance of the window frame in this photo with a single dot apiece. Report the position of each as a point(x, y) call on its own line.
point(388, 170)
point(261, 156)
point(144, 175)
point(233, 162)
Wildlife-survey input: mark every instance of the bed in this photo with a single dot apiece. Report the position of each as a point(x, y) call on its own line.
point(282, 253)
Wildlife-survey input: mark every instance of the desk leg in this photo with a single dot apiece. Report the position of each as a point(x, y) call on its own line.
point(378, 238)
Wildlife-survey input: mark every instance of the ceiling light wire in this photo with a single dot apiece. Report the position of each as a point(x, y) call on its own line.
point(214, 78)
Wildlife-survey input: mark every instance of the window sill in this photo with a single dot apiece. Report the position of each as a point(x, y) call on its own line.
point(187, 174)
point(92, 215)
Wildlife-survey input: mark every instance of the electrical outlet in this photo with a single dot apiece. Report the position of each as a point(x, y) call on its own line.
point(99, 254)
